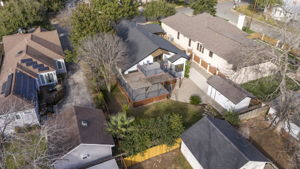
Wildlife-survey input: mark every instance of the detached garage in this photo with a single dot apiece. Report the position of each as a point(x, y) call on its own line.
point(214, 144)
point(228, 94)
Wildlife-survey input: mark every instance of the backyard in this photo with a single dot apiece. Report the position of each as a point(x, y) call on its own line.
point(190, 113)
point(265, 88)
point(277, 147)
point(170, 160)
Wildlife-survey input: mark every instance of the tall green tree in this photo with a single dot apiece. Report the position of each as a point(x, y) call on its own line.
point(116, 9)
point(150, 132)
point(158, 9)
point(119, 125)
point(201, 6)
point(20, 14)
point(86, 21)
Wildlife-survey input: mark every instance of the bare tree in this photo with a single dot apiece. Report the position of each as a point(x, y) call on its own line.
point(103, 52)
point(290, 38)
point(30, 147)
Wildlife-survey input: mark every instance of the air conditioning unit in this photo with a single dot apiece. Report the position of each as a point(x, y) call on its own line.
point(170, 37)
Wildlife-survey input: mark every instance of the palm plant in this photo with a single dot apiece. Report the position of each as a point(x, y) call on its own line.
point(119, 125)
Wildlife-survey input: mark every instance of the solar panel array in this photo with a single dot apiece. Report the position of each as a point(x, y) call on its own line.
point(26, 60)
point(8, 85)
point(25, 87)
point(34, 64)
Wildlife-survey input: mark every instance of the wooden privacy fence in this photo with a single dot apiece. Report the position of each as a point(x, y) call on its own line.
point(151, 152)
point(273, 42)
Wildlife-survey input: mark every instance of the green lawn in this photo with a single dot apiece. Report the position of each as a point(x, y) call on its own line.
point(190, 113)
point(265, 88)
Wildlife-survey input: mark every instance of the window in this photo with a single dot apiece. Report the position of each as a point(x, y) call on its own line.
point(211, 54)
point(42, 79)
point(158, 58)
point(84, 156)
point(49, 78)
point(178, 35)
point(200, 48)
point(190, 42)
point(18, 116)
point(179, 68)
point(59, 65)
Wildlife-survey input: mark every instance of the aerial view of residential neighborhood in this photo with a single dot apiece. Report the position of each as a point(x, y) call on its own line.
point(149, 84)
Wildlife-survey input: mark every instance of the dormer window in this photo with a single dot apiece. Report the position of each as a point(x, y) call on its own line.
point(59, 65)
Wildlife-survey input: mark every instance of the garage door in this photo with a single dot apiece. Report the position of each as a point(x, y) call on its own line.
point(198, 79)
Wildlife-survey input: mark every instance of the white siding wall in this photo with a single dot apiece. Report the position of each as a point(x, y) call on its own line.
point(254, 72)
point(254, 165)
point(225, 102)
point(26, 117)
point(190, 157)
point(73, 159)
point(178, 62)
point(148, 59)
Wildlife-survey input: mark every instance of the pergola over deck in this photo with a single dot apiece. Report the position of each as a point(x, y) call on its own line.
point(139, 87)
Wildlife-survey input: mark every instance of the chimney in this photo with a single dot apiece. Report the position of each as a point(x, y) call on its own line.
point(241, 21)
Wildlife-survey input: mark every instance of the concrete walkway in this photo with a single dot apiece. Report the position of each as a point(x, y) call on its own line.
point(189, 88)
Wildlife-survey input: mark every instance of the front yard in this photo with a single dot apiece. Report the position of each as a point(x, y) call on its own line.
point(170, 160)
point(265, 88)
point(190, 113)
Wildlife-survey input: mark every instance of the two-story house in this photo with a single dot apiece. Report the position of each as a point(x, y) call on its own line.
point(30, 61)
point(153, 66)
point(214, 44)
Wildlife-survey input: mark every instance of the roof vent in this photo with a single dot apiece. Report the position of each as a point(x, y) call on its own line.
point(84, 123)
point(20, 52)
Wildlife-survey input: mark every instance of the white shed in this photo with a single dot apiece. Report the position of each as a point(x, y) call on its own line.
point(228, 94)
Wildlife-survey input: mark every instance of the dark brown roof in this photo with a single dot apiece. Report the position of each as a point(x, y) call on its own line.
point(94, 133)
point(216, 34)
point(229, 89)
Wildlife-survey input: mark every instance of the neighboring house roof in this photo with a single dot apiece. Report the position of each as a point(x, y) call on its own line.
point(142, 43)
point(229, 89)
point(174, 58)
point(27, 55)
point(216, 34)
point(153, 28)
point(94, 132)
point(216, 144)
point(294, 99)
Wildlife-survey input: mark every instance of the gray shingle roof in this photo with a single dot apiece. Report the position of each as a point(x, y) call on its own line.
point(216, 34)
point(229, 89)
point(217, 145)
point(173, 58)
point(142, 43)
point(153, 28)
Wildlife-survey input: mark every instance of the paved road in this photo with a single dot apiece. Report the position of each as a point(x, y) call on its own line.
point(225, 10)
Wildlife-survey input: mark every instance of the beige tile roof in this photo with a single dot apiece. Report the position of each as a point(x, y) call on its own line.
point(43, 47)
point(216, 34)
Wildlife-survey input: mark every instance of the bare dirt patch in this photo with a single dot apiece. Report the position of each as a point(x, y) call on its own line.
point(170, 160)
point(277, 147)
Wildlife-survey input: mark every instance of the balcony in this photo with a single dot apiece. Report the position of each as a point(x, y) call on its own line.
point(157, 69)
